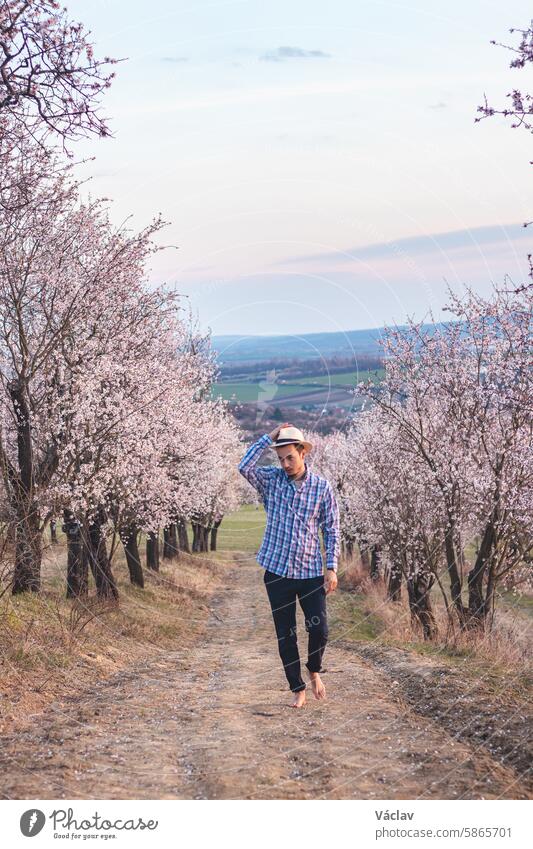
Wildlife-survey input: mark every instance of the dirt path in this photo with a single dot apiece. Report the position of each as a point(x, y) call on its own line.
point(215, 724)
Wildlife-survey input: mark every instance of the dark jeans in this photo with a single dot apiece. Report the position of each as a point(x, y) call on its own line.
point(282, 593)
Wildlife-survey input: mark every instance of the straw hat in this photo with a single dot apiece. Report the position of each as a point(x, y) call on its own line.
point(289, 436)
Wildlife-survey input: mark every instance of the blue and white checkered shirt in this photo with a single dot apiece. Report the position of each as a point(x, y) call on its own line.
point(291, 544)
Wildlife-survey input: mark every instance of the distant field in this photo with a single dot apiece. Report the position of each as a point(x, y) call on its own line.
point(350, 378)
point(242, 391)
point(262, 391)
point(265, 391)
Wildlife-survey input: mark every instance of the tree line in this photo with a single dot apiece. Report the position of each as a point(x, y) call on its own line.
point(106, 420)
point(442, 458)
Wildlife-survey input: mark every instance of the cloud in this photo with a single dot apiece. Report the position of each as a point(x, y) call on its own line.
point(425, 244)
point(281, 54)
point(439, 105)
point(174, 58)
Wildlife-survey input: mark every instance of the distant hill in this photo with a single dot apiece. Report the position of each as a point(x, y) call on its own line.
point(234, 349)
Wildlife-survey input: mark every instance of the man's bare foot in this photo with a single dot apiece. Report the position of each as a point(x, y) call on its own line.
point(319, 691)
point(299, 699)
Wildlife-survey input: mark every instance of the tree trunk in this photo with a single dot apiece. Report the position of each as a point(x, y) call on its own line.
point(364, 549)
point(170, 544)
point(181, 525)
point(129, 538)
point(195, 534)
point(28, 554)
point(418, 589)
point(77, 559)
point(455, 577)
point(152, 551)
point(374, 563)
point(459, 548)
point(28, 541)
point(200, 537)
point(214, 531)
point(477, 608)
point(99, 561)
point(11, 535)
point(53, 532)
point(166, 548)
point(394, 587)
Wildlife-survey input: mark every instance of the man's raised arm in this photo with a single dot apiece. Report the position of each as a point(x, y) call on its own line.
point(258, 475)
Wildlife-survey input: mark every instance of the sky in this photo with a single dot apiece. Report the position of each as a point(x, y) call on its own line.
point(319, 164)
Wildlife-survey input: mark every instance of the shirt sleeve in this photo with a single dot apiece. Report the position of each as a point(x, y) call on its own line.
point(329, 522)
point(258, 476)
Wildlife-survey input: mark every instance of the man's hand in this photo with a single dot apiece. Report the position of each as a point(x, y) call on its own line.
point(331, 580)
point(275, 433)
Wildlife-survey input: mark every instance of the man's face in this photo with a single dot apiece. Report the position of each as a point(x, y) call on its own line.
point(291, 460)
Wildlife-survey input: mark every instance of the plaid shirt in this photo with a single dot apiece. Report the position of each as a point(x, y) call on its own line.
point(291, 544)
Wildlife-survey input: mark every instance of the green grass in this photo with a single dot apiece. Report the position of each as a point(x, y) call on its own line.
point(259, 391)
point(264, 391)
point(349, 378)
point(242, 530)
point(350, 618)
point(242, 391)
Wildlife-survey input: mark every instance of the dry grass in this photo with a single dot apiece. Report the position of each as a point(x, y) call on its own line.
point(50, 646)
point(507, 647)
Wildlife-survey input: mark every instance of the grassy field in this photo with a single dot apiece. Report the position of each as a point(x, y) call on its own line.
point(262, 391)
point(242, 531)
point(248, 392)
point(350, 378)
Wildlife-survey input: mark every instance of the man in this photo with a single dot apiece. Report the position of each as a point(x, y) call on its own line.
point(297, 502)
